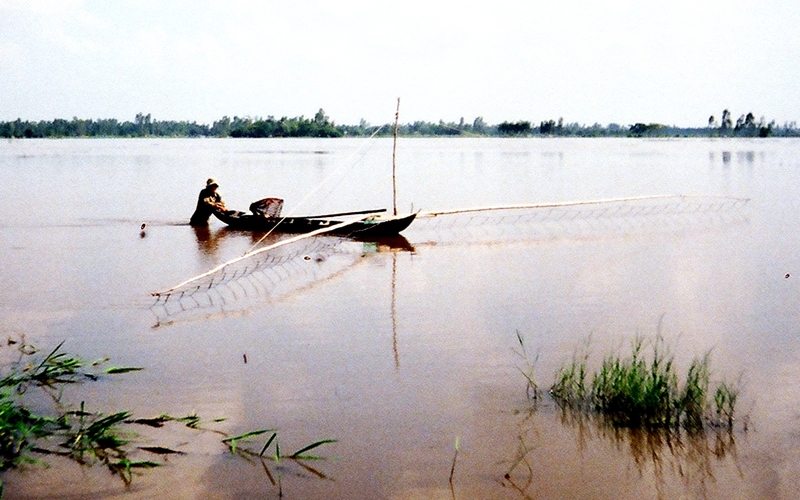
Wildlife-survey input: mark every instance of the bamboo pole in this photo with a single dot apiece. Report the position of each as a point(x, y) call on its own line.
point(573, 203)
point(341, 214)
point(394, 159)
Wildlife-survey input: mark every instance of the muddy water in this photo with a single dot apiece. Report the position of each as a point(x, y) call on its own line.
point(397, 351)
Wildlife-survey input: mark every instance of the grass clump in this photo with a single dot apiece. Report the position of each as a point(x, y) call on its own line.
point(19, 429)
point(83, 436)
point(238, 445)
point(640, 391)
point(28, 431)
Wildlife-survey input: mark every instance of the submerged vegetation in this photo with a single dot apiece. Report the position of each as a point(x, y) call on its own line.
point(30, 429)
point(322, 126)
point(81, 435)
point(669, 423)
point(639, 390)
point(642, 391)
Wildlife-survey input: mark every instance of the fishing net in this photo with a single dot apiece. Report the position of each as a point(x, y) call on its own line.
point(592, 219)
point(265, 275)
point(299, 262)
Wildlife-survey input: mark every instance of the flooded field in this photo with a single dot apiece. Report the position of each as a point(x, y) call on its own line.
point(406, 352)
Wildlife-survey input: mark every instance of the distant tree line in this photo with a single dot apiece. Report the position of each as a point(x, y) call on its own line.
point(746, 126)
point(322, 126)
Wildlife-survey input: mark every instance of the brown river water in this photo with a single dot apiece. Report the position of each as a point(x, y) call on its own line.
point(404, 350)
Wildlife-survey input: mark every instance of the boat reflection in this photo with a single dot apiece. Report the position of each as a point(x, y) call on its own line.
point(395, 244)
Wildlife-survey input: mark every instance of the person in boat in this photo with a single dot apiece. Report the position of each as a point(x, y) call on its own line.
point(208, 202)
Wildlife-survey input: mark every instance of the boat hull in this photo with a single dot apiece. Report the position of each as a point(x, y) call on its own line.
point(373, 227)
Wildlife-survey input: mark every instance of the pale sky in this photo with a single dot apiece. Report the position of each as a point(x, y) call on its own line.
point(614, 61)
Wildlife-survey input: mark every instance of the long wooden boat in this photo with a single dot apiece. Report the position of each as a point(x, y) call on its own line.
point(372, 226)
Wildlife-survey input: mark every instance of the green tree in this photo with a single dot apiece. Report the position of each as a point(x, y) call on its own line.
point(517, 128)
point(547, 127)
point(143, 124)
point(726, 123)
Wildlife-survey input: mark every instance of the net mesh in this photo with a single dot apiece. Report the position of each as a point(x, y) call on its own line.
point(296, 263)
point(602, 218)
point(284, 268)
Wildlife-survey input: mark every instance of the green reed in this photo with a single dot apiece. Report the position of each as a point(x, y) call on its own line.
point(532, 387)
point(88, 437)
point(724, 404)
point(641, 391)
point(84, 436)
point(239, 445)
point(233, 444)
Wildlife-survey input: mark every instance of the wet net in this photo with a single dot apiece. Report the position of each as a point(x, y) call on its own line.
point(296, 263)
point(590, 219)
point(266, 274)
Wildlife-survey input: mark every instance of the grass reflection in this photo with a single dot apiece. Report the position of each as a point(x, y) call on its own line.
point(670, 457)
point(674, 428)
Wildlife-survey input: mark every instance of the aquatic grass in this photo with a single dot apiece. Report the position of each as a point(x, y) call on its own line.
point(640, 391)
point(298, 455)
point(191, 421)
point(124, 468)
point(237, 445)
point(54, 368)
point(532, 387)
point(96, 437)
point(83, 436)
point(115, 370)
point(694, 397)
point(669, 419)
point(570, 385)
point(88, 437)
point(724, 404)
point(233, 445)
point(19, 430)
point(232, 441)
point(266, 445)
point(457, 446)
point(633, 392)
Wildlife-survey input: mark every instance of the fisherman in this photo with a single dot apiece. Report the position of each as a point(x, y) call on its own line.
point(208, 202)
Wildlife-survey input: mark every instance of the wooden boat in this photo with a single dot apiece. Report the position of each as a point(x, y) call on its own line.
point(265, 215)
point(373, 225)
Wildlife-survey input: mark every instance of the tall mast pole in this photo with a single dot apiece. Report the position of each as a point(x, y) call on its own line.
point(394, 159)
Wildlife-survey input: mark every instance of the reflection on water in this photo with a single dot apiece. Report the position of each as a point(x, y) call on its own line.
point(667, 454)
point(206, 242)
point(675, 462)
point(748, 157)
point(209, 240)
